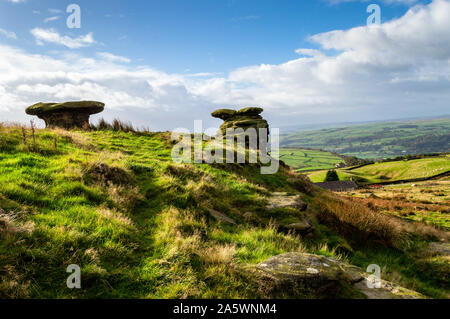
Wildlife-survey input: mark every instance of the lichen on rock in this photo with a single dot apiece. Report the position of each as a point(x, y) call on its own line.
point(304, 275)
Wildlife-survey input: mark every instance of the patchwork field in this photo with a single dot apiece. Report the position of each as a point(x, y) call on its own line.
point(309, 160)
point(379, 140)
point(391, 171)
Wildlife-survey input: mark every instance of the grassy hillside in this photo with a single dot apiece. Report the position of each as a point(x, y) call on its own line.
point(309, 160)
point(381, 140)
point(391, 171)
point(140, 226)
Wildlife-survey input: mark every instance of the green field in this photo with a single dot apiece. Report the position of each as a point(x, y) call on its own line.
point(391, 171)
point(309, 160)
point(380, 140)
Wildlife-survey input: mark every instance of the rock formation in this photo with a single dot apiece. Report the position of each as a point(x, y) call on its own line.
point(245, 118)
point(306, 275)
point(66, 115)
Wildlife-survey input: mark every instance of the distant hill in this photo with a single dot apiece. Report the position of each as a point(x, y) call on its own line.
point(391, 171)
point(377, 140)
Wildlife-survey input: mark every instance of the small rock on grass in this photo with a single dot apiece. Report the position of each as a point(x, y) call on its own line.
point(314, 276)
point(221, 217)
point(282, 200)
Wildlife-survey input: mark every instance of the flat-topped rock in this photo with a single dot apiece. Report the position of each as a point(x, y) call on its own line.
point(66, 115)
point(223, 114)
point(250, 111)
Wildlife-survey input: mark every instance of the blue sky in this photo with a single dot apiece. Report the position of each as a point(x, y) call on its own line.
point(197, 35)
point(173, 61)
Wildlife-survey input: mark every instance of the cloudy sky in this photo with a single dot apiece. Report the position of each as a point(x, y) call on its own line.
point(163, 64)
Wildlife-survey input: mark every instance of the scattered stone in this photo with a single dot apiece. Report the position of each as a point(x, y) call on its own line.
point(66, 115)
point(313, 276)
point(302, 227)
point(440, 248)
point(372, 196)
point(221, 217)
point(388, 290)
point(282, 200)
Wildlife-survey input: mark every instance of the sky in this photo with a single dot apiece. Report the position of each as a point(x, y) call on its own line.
point(163, 64)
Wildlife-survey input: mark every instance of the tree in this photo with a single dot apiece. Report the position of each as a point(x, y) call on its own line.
point(332, 176)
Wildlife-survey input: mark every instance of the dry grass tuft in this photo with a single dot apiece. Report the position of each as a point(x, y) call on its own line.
point(217, 255)
point(103, 174)
point(9, 224)
point(184, 171)
point(117, 125)
point(76, 138)
point(12, 284)
point(359, 222)
point(116, 216)
point(125, 198)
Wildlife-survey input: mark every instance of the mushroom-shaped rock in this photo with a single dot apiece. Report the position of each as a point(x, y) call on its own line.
point(66, 115)
point(245, 119)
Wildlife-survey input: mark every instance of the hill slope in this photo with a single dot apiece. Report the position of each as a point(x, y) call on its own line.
point(391, 171)
point(381, 140)
point(141, 226)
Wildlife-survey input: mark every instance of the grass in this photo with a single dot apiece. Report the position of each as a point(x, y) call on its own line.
point(425, 202)
point(309, 160)
point(391, 171)
point(380, 140)
point(138, 225)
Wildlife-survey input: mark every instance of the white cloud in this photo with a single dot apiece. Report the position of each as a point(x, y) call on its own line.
point(113, 58)
point(49, 19)
point(52, 36)
point(398, 69)
point(8, 34)
point(405, 2)
point(17, 1)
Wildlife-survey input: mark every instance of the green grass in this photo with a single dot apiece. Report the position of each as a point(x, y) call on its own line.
point(391, 171)
point(380, 140)
point(309, 160)
point(147, 234)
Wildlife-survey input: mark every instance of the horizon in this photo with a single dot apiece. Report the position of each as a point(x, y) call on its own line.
point(163, 65)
